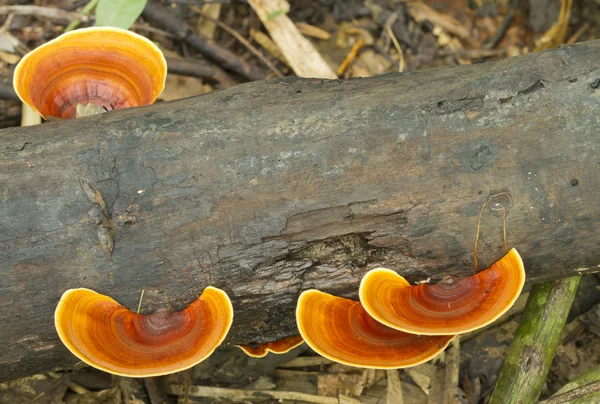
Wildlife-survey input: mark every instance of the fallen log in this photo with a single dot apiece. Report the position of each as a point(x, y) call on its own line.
point(270, 188)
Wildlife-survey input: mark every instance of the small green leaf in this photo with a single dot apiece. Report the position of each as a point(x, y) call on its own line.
point(119, 13)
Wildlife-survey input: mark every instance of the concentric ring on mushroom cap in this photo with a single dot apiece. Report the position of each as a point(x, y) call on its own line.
point(341, 330)
point(280, 346)
point(455, 307)
point(109, 337)
point(109, 67)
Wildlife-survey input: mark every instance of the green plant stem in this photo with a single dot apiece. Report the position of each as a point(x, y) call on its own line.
point(584, 379)
point(532, 349)
point(85, 11)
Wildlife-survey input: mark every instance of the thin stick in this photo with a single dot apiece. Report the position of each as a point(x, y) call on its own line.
point(238, 395)
point(350, 57)
point(84, 12)
point(477, 235)
point(504, 226)
point(577, 34)
point(53, 14)
point(140, 303)
point(240, 38)
point(398, 48)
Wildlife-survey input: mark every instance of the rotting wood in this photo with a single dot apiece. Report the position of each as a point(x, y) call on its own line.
point(270, 188)
point(532, 349)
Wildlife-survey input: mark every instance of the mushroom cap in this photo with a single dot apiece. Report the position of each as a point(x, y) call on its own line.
point(109, 337)
point(341, 330)
point(455, 307)
point(280, 346)
point(109, 67)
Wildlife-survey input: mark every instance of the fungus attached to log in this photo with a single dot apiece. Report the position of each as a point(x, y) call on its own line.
point(452, 306)
point(108, 67)
point(277, 347)
point(109, 337)
point(341, 330)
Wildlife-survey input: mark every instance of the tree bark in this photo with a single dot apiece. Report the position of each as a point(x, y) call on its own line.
point(271, 188)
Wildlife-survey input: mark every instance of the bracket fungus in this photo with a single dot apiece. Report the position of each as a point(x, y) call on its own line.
point(341, 330)
point(277, 347)
point(110, 68)
point(455, 306)
point(109, 337)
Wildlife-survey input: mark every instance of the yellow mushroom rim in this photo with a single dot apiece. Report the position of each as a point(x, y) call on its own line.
point(277, 347)
point(109, 67)
point(341, 330)
point(449, 307)
point(110, 337)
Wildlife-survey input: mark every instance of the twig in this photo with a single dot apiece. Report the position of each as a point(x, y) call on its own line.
point(311, 30)
point(306, 361)
point(350, 57)
point(241, 39)
point(242, 395)
point(162, 17)
point(528, 359)
point(508, 18)
point(474, 53)
point(53, 14)
point(573, 394)
point(267, 44)
point(140, 303)
point(398, 48)
point(200, 69)
point(577, 34)
point(84, 12)
point(584, 379)
point(421, 12)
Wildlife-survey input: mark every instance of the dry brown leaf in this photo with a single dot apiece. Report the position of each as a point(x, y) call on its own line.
point(9, 58)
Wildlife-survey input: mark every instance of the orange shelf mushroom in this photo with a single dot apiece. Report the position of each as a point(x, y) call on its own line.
point(109, 337)
point(277, 347)
point(109, 67)
point(341, 330)
point(449, 307)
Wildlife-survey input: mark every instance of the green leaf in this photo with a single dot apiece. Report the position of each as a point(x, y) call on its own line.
point(119, 13)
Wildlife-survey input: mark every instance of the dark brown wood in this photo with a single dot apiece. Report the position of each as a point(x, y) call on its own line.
point(163, 18)
point(270, 188)
point(200, 69)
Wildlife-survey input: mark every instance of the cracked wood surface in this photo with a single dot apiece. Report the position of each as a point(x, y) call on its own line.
point(270, 188)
